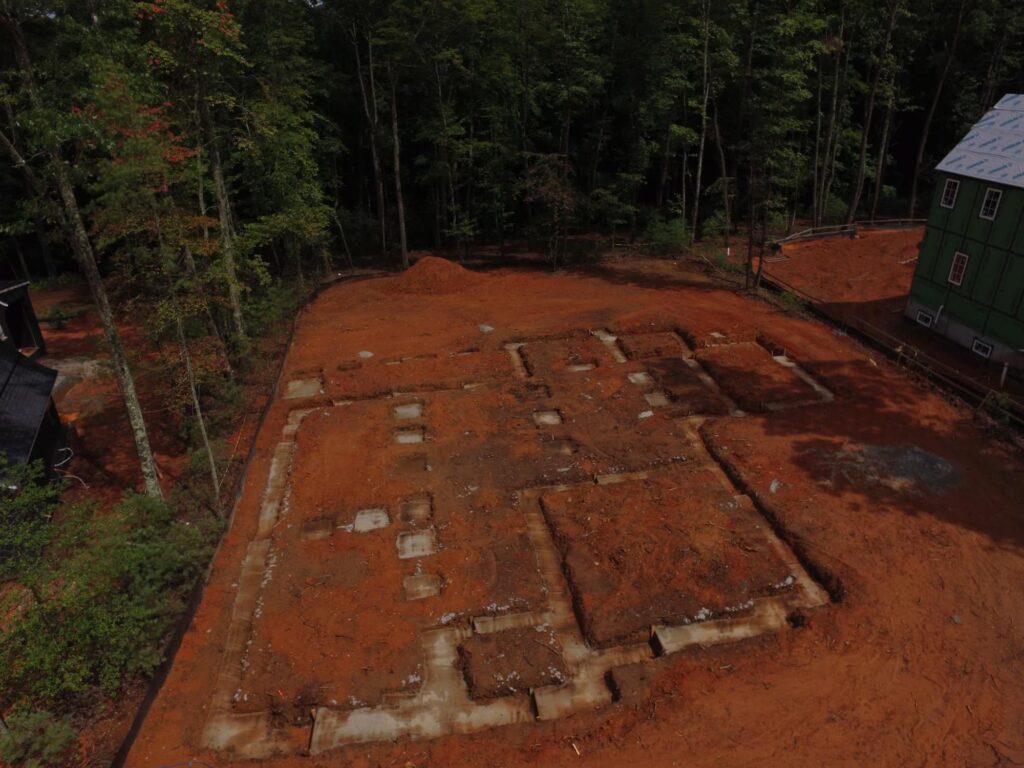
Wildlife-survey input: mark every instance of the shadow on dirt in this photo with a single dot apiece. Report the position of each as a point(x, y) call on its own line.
point(887, 443)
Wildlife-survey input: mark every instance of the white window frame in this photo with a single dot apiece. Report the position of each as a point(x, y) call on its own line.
point(955, 185)
point(952, 268)
point(923, 318)
point(985, 351)
point(991, 191)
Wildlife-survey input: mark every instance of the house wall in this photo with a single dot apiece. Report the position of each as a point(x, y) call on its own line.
point(989, 305)
point(18, 322)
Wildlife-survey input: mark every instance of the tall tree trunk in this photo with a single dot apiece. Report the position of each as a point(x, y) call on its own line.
point(830, 132)
point(87, 262)
point(21, 257)
point(71, 219)
point(817, 148)
point(451, 164)
point(190, 265)
point(187, 359)
point(344, 240)
point(373, 120)
point(762, 238)
point(703, 124)
point(398, 171)
point(43, 238)
point(748, 282)
point(858, 187)
point(200, 192)
point(833, 160)
point(296, 254)
point(927, 127)
point(883, 154)
point(988, 95)
point(227, 224)
point(40, 225)
point(725, 177)
point(666, 155)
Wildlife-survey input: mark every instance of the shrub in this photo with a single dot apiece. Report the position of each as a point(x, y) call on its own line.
point(666, 235)
point(835, 210)
point(38, 740)
point(714, 225)
point(267, 309)
point(106, 611)
point(793, 301)
point(27, 502)
point(58, 317)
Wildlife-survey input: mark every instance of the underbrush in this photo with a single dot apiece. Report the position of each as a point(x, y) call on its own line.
point(666, 235)
point(90, 599)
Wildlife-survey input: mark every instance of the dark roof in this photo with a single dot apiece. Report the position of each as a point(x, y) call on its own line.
point(11, 285)
point(25, 390)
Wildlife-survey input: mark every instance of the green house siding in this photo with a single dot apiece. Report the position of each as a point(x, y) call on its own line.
point(990, 299)
point(1004, 228)
point(1011, 287)
point(987, 276)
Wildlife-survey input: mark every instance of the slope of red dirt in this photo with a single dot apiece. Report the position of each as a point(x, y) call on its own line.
point(875, 264)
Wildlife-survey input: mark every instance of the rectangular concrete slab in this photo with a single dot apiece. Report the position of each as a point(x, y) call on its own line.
point(412, 544)
point(408, 411)
point(370, 520)
point(421, 586)
point(302, 388)
point(410, 436)
point(547, 418)
point(418, 511)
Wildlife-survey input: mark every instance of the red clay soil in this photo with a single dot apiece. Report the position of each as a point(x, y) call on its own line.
point(747, 373)
point(876, 264)
point(682, 384)
point(674, 550)
point(896, 498)
point(504, 663)
point(866, 280)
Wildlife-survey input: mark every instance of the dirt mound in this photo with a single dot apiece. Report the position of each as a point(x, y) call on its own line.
point(877, 264)
point(434, 275)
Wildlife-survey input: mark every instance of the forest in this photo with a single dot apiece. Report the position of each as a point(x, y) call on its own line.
point(194, 161)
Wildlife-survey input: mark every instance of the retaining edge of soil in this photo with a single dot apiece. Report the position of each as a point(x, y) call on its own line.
point(159, 677)
point(972, 393)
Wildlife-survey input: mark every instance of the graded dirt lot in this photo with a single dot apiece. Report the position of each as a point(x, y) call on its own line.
point(531, 519)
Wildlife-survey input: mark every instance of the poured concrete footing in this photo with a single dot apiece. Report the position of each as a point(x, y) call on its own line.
point(441, 706)
point(412, 544)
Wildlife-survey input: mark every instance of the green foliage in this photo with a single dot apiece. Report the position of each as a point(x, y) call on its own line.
point(118, 582)
point(722, 261)
point(27, 503)
point(58, 317)
point(268, 310)
point(666, 235)
point(714, 225)
point(793, 301)
point(998, 405)
point(835, 211)
point(38, 740)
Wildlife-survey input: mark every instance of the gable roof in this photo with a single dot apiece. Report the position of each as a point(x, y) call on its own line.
point(994, 148)
point(25, 390)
